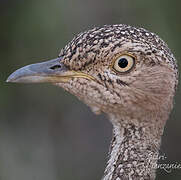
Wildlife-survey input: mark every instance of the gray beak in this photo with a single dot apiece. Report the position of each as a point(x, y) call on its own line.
point(40, 72)
point(52, 71)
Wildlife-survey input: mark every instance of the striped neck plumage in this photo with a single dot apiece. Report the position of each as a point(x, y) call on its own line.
point(133, 152)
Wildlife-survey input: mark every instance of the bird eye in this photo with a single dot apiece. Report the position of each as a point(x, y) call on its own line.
point(123, 63)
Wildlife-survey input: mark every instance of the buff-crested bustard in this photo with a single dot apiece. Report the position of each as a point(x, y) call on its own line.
point(126, 72)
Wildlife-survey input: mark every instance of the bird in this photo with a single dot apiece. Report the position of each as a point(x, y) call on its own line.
point(127, 73)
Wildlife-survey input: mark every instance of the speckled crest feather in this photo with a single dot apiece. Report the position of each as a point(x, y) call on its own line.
point(93, 42)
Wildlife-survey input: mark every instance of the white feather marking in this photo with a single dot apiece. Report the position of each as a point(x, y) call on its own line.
point(115, 152)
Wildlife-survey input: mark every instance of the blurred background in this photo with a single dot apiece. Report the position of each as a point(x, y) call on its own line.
point(46, 133)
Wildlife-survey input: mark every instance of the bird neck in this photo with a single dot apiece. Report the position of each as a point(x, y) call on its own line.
point(134, 151)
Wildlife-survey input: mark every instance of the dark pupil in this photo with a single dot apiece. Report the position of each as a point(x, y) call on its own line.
point(123, 62)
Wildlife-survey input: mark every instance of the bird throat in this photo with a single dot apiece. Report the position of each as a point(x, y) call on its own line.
point(133, 153)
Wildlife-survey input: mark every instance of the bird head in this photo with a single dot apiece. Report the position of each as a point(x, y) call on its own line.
point(115, 69)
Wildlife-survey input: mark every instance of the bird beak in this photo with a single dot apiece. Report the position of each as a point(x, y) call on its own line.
point(52, 71)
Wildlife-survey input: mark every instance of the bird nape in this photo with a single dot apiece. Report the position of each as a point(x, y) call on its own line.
point(126, 72)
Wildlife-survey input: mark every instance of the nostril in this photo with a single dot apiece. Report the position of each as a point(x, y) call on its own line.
point(55, 67)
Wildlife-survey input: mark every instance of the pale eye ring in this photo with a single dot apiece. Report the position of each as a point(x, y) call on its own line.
point(123, 63)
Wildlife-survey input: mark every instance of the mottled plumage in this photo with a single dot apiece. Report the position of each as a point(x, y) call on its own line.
point(138, 102)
